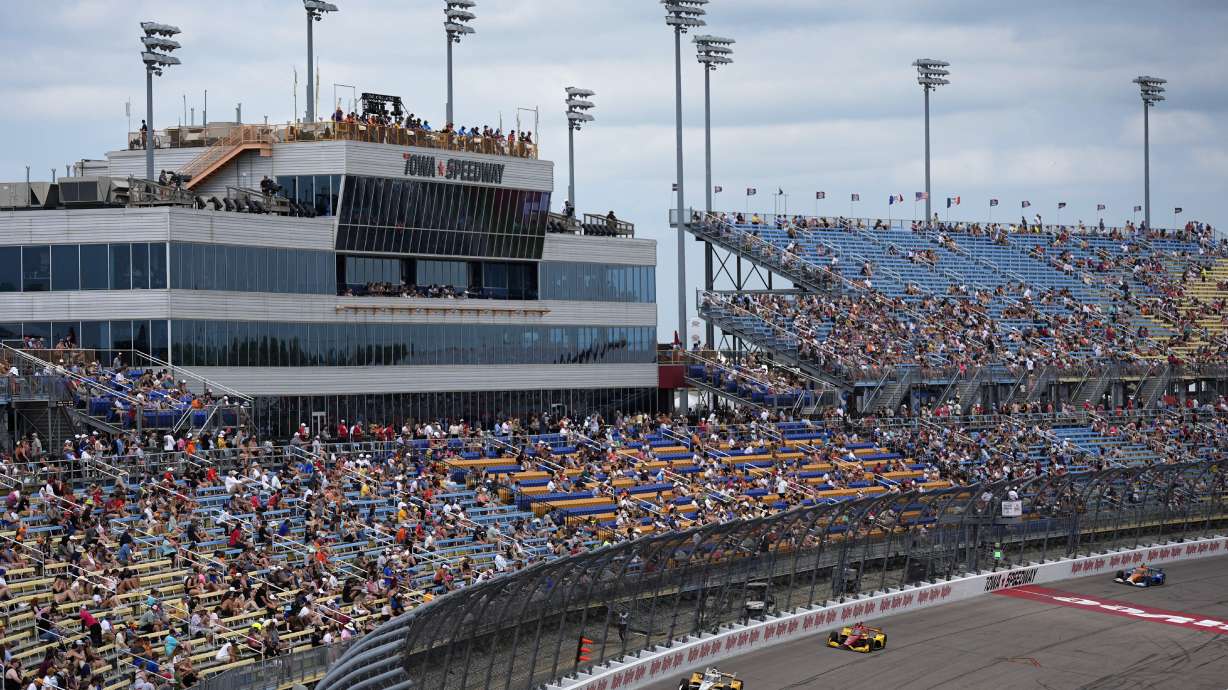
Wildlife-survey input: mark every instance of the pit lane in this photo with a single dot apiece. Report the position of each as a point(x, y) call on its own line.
point(1012, 642)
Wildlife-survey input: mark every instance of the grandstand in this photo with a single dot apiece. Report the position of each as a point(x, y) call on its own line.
point(901, 317)
point(313, 404)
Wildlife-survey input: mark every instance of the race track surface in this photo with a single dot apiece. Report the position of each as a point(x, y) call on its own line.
point(1006, 642)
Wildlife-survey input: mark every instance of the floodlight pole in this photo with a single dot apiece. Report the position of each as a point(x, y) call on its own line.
point(682, 221)
point(449, 118)
point(311, 104)
point(571, 164)
point(928, 195)
point(709, 283)
point(1147, 164)
point(149, 130)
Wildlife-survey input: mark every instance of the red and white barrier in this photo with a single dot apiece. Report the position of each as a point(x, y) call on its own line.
point(694, 653)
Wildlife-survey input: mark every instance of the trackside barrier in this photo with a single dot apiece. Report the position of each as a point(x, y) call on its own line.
point(695, 652)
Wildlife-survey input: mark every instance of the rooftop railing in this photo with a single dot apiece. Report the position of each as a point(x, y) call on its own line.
point(212, 135)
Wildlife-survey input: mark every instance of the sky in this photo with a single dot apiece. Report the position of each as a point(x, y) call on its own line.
point(821, 97)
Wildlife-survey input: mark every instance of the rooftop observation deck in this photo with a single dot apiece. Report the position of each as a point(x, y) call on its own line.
point(220, 143)
point(227, 133)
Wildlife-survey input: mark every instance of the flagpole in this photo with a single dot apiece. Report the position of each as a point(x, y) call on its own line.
point(991, 214)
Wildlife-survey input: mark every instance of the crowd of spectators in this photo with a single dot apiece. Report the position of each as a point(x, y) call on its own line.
point(485, 138)
point(407, 290)
point(859, 327)
point(158, 558)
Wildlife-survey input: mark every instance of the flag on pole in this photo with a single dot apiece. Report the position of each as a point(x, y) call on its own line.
point(820, 195)
point(751, 191)
point(718, 189)
point(922, 196)
point(895, 199)
point(952, 201)
point(1177, 210)
point(675, 187)
point(1027, 204)
point(1061, 205)
point(1100, 207)
point(780, 192)
point(1138, 208)
point(993, 202)
point(855, 197)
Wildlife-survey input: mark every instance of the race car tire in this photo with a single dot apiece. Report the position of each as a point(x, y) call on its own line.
point(877, 644)
point(1121, 575)
point(835, 637)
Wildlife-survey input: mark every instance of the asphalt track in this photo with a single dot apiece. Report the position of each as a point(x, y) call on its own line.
point(1006, 642)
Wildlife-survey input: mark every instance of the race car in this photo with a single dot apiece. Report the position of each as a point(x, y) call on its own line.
point(1142, 576)
point(710, 679)
point(859, 638)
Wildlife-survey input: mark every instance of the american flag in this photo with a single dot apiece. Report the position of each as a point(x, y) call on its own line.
point(674, 187)
point(1027, 204)
point(1177, 210)
point(718, 189)
point(855, 197)
point(922, 196)
point(751, 191)
point(993, 202)
point(820, 195)
point(1138, 208)
point(1100, 207)
point(1061, 205)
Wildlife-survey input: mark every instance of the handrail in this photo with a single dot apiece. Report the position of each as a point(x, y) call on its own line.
point(207, 383)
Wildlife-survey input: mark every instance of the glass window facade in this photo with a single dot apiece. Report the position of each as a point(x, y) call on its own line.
point(403, 216)
point(318, 191)
point(275, 344)
point(106, 337)
point(68, 267)
point(251, 269)
point(597, 282)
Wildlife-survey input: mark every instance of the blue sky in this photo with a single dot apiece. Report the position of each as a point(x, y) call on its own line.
point(821, 95)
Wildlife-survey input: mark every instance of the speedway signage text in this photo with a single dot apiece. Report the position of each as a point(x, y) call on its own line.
point(419, 165)
point(1014, 578)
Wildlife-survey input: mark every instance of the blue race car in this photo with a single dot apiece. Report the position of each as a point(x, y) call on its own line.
point(1142, 576)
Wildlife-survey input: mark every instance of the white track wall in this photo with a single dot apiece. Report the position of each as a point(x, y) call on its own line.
point(694, 653)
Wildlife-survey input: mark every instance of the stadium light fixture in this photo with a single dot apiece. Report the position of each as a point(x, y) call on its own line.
point(578, 106)
point(681, 15)
point(930, 75)
point(712, 52)
point(316, 9)
point(457, 15)
point(1151, 89)
point(156, 49)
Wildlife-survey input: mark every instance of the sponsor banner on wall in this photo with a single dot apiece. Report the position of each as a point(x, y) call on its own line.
point(695, 653)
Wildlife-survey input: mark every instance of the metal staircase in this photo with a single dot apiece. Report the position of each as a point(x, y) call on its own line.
point(1152, 387)
point(1093, 387)
point(890, 392)
point(240, 139)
